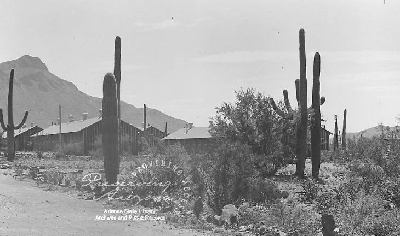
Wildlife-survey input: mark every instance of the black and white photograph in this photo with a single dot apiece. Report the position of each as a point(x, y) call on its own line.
point(200, 117)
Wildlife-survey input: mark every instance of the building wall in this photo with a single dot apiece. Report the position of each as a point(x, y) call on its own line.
point(153, 135)
point(87, 138)
point(130, 134)
point(324, 139)
point(23, 142)
point(133, 135)
point(51, 142)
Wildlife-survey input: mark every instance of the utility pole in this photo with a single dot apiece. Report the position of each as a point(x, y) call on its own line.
point(59, 123)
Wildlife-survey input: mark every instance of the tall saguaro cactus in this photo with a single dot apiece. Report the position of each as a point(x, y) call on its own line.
point(344, 130)
point(336, 136)
point(117, 74)
point(109, 128)
point(302, 107)
point(314, 111)
point(316, 121)
point(10, 127)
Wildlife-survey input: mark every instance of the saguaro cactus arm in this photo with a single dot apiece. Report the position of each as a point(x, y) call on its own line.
point(322, 100)
point(297, 85)
point(286, 101)
point(280, 112)
point(344, 130)
point(23, 121)
point(4, 127)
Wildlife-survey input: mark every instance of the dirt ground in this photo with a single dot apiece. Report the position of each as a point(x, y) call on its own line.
point(26, 209)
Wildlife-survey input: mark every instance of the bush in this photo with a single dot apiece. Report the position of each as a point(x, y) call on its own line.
point(390, 191)
point(367, 215)
point(372, 175)
point(279, 217)
point(310, 191)
point(227, 172)
point(75, 149)
point(384, 224)
point(252, 121)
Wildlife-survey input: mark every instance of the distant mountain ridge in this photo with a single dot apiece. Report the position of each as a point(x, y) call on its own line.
point(40, 92)
point(373, 131)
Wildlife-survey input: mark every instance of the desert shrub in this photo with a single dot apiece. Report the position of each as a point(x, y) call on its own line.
point(326, 202)
point(375, 150)
point(310, 191)
point(366, 215)
point(390, 191)
point(227, 176)
point(252, 121)
point(297, 218)
point(227, 172)
point(39, 154)
point(261, 190)
point(370, 174)
point(326, 156)
point(74, 148)
point(268, 219)
point(386, 223)
point(197, 175)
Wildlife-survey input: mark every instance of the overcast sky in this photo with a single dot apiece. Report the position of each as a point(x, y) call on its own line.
point(187, 57)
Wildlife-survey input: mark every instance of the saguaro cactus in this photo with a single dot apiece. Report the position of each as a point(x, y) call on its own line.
point(301, 97)
point(316, 119)
point(117, 74)
point(10, 127)
point(302, 107)
point(344, 130)
point(109, 128)
point(336, 136)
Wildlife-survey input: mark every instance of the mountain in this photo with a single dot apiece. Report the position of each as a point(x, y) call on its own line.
point(40, 92)
point(374, 131)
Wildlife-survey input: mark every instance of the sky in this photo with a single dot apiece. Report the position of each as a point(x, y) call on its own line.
point(185, 58)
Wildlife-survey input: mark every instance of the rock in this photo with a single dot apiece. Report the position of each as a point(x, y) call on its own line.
point(230, 214)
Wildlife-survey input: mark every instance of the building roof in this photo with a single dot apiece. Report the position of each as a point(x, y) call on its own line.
point(193, 133)
point(69, 127)
point(18, 131)
point(323, 127)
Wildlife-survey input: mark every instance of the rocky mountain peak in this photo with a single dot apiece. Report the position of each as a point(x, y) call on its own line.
point(24, 62)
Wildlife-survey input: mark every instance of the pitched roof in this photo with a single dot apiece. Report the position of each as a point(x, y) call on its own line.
point(69, 127)
point(194, 132)
point(18, 131)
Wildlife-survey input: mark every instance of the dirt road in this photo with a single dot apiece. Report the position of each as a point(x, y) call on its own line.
point(26, 210)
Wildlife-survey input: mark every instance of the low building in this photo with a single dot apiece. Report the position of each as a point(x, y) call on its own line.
point(325, 138)
point(193, 139)
point(152, 135)
point(324, 141)
point(22, 138)
point(84, 134)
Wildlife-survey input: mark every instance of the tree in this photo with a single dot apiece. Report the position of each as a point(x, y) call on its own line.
point(252, 121)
